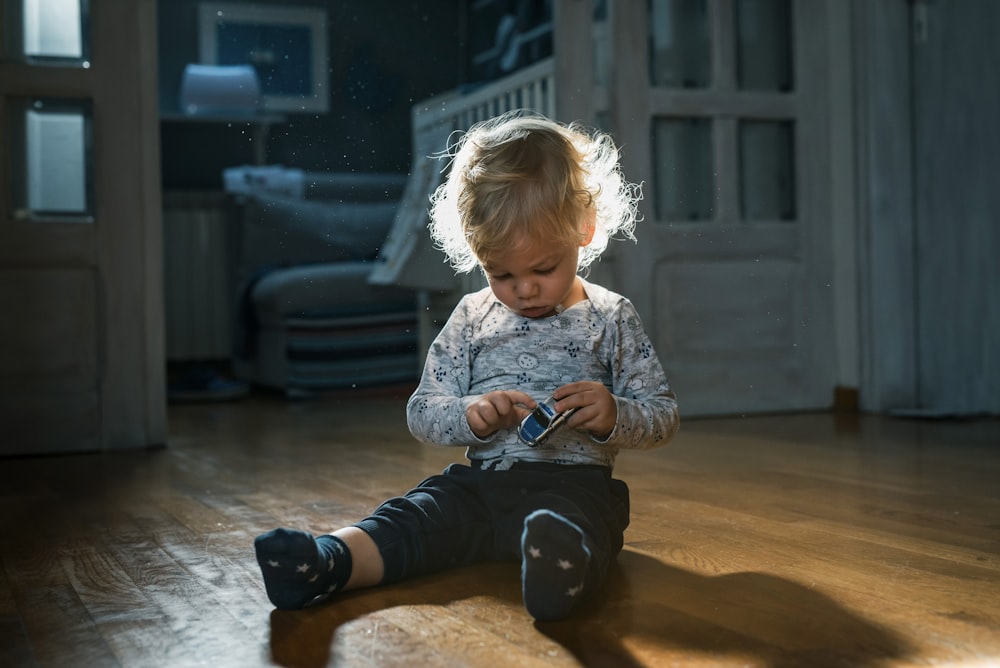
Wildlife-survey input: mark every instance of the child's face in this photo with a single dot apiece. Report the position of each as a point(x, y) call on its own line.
point(534, 279)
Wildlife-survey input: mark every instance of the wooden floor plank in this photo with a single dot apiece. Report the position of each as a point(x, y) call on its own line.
point(58, 625)
point(15, 650)
point(134, 622)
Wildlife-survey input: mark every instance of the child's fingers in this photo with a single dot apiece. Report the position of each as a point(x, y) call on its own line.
point(575, 395)
point(517, 397)
point(482, 416)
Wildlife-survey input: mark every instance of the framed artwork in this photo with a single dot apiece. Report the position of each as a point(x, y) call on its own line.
point(286, 45)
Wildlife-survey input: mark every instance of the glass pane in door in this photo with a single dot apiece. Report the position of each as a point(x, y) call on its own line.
point(682, 169)
point(45, 29)
point(764, 45)
point(50, 161)
point(767, 170)
point(680, 53)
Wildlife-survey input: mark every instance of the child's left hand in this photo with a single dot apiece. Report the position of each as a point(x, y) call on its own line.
point(597, 410)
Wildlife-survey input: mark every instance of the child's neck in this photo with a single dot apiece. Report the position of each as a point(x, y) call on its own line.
point(575, 296)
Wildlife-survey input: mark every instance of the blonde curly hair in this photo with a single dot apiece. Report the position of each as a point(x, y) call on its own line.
point(522, 173)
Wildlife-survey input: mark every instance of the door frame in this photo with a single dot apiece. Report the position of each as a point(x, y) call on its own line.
point(886, 238)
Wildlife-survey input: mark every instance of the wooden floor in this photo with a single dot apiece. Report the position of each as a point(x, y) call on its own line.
point(806, 540)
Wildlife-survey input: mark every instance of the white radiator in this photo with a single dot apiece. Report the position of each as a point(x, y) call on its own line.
point(198, 293)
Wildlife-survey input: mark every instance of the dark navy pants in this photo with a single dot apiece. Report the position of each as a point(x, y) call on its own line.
point(467, 515)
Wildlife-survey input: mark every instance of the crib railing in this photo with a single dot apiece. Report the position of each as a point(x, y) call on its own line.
point(530, 88)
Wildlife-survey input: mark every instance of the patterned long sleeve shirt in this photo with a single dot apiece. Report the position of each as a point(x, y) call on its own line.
point(485, 346)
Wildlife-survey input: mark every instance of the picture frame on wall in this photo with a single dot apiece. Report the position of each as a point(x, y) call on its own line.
point(286, 45)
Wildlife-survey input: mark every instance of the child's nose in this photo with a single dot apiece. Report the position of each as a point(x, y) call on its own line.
point(526, 288)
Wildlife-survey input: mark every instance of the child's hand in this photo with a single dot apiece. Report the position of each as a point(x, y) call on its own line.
point(493, 411)
point(597, 411)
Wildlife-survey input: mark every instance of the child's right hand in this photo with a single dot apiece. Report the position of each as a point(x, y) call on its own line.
point(493, 411)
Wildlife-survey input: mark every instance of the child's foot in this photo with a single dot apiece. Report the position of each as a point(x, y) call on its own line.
point(554, 563)
point(299, 569)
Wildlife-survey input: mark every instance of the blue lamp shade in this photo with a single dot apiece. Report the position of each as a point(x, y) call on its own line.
point(216, 89)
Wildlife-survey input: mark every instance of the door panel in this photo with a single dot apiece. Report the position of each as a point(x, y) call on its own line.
point(693, 325)
point(732, 269)
point(52, 332)
point(739, 345)
point(48, 359)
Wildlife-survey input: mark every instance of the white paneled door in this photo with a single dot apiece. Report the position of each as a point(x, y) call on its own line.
point(723, 104)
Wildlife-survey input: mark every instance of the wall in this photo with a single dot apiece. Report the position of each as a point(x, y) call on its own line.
point(928, 205)
point(956, 159)
point(384, 55)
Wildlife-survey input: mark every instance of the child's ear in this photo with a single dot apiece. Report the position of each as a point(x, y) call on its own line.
point(589, 226)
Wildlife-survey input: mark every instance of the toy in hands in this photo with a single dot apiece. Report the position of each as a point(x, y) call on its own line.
point(536, 428)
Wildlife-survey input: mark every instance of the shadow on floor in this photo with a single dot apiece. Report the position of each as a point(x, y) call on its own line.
point(668, 613)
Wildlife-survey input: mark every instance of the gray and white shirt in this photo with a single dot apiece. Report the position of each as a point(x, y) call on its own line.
point(485, 346)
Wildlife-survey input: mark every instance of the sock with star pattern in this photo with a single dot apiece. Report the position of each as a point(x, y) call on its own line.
point(299, 569)
point(554, 565)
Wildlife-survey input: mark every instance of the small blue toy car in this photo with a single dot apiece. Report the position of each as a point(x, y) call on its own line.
point(539, 425)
